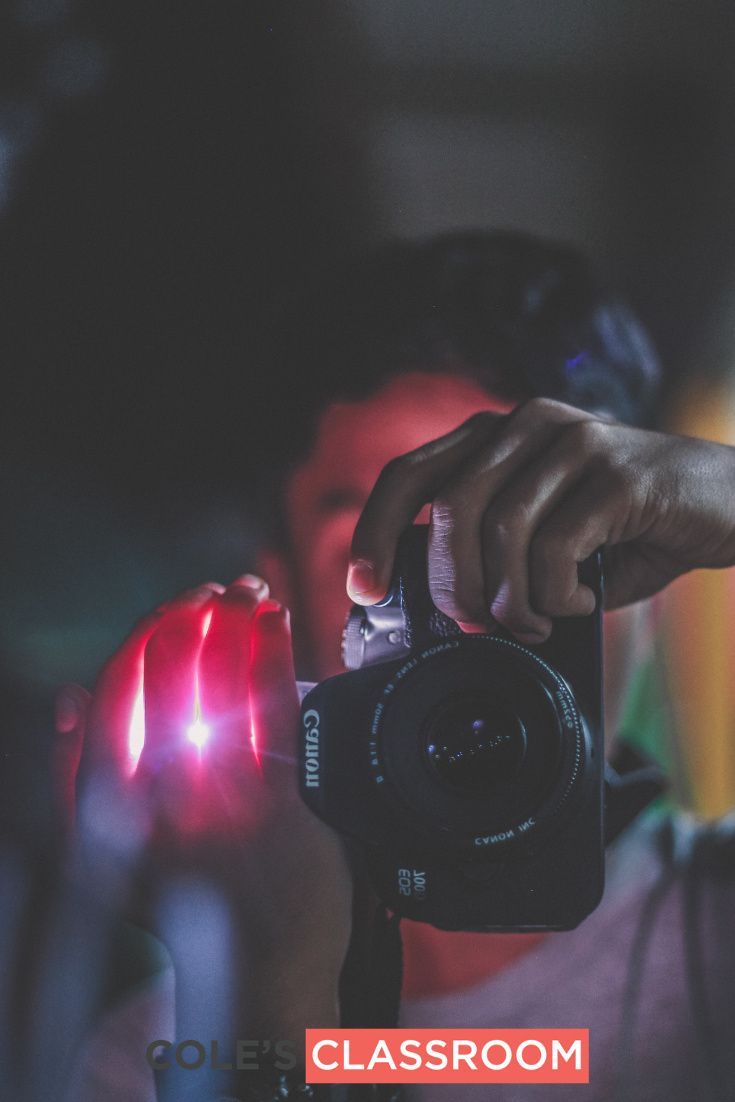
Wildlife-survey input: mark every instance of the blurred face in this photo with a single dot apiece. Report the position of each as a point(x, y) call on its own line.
point(326, 494)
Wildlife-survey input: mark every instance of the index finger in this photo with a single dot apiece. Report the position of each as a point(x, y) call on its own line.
point(405, 485)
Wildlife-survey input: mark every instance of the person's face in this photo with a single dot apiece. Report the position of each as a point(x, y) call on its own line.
point(325, 495)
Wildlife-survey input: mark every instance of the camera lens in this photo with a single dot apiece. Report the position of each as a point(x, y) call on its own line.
point(474, 744)
point(481, 740)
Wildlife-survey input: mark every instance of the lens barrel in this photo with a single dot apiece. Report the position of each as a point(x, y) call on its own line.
point(480, 741)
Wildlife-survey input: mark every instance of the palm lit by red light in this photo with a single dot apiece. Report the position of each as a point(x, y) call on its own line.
point(136, 730)
point(159, 808)
point(179, 711)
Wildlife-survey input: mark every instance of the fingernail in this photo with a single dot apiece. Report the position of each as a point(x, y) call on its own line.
point(271, 612)
point(531, 638)
point(252, 581)
point(361, 580)
point(271, 606)
point(474, 629)
point(66, 712)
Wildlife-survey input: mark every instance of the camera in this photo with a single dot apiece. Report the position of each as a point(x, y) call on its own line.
point(470, 767)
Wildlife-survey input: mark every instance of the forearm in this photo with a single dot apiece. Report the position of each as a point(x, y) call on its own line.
point(284, 998)
point(254, 1005)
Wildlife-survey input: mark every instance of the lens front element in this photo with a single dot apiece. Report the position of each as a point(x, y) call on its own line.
point(476, 744)
point(481, 741)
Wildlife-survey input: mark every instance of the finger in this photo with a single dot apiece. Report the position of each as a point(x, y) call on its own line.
point(454, 562)
point(71, 710)
point(633, 572)
point(273, 695)
point(255, 583)
point(509, 525)
point(224, 672)
point(583, 522)
point(115, 727)
point(457, 572)
point(457, 579)
point(405, 485)
point(119, 685)
point(170, 661)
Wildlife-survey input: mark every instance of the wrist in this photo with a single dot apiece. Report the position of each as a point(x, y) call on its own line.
point(282, 998)
point(724, 555)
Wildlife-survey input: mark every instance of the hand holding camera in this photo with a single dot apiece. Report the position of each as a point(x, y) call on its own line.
point(471, 766)
point(519, 500)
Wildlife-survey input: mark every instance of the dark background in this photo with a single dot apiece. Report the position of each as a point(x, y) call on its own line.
point(172, 173)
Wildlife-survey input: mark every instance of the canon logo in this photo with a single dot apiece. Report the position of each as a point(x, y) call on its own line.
point(311, 748)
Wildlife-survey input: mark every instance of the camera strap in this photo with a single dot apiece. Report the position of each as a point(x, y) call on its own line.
point(372, 974)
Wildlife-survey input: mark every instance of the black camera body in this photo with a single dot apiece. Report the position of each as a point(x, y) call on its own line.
point(469, 766)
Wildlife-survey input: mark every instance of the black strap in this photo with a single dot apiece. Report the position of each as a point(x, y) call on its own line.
point(370, 986)
point(372, 975)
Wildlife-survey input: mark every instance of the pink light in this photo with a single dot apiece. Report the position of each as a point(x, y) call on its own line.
point(198, 731)
point(254, 743)
point(136, 730)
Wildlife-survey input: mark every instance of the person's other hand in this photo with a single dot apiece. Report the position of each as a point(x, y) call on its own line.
point(211, 794)
point(519, 500)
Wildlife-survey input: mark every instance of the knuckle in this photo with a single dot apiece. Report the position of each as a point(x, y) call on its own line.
point(589, 436)
point(542, 409)
point(504, 526)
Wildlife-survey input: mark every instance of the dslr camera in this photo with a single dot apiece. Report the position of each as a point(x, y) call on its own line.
point(470, 768)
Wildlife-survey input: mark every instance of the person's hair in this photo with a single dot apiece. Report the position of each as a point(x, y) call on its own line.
point(521, 316)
